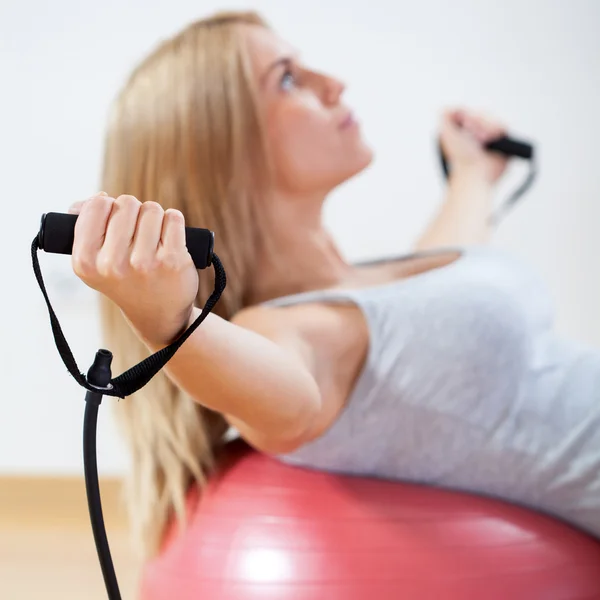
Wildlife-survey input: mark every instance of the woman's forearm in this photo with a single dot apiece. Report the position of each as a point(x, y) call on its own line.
point(464, 217)
point(248, 378)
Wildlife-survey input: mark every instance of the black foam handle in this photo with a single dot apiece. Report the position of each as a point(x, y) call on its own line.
point(57, 232)
point(504, 145)
point(511, 147)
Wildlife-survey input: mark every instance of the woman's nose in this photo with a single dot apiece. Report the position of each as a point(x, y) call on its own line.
point(333, 90)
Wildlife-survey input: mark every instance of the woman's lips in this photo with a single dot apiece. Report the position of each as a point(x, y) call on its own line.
point(348, 121)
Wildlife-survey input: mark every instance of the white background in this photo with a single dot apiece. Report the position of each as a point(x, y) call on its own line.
point(534, 63)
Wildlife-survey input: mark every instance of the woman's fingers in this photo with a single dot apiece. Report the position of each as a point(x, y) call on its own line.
point(479, 125)
point(174, 253)
point(90, 229)
point(115, 236)
point(147, 236)
point(116, 239)
point(76, 207)
point(452, 119)
point(114, 257)
point(130, 251)
point(173, 233)
point(484, 128)
point(473, 125)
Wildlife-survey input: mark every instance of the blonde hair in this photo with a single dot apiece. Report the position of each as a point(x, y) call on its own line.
point(182, 133)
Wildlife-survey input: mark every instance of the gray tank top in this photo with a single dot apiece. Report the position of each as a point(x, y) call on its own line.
point(466, 385)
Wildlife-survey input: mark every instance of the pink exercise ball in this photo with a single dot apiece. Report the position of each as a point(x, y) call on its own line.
point(264, 531)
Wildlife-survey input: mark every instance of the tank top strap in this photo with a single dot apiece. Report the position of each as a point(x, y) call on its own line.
point(354, 296)
point(362, 296)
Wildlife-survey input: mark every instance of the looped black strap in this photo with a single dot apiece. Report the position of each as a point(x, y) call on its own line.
point(139, 375)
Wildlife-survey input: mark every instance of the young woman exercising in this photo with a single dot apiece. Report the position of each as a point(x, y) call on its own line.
point(440, 366)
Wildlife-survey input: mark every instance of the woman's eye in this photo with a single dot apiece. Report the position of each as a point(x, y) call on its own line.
point(287, 81)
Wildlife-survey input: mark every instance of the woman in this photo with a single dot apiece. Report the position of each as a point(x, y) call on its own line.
point(440, 366)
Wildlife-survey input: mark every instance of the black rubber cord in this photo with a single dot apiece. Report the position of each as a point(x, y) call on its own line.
point(92, 488)
point(98, 375)
point(99, 382)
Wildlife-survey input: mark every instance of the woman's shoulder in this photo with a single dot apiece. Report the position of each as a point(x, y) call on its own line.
point(318, 323)
point(332, 340)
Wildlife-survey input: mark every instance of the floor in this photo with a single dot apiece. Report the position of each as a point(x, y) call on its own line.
point(47, 548)
point(59, 564)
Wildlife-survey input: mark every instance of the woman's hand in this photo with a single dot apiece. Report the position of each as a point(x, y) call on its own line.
point(463, 136)
point(135, 254)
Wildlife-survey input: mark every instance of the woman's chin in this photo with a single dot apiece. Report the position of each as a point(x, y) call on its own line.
point(364, 157)
point(369, 155)
point(360, 165)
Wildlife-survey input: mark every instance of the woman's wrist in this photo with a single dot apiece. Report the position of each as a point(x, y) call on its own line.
point(158, 333)
point(470, 192)
point(471, 172)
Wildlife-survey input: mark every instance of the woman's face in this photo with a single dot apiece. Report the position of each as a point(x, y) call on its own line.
point(314, 140)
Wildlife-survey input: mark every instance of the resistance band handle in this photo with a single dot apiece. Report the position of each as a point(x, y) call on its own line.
point(504, 145)
point(510, 147)
point(57, 232)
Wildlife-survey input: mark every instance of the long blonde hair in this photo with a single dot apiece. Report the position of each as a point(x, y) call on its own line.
point(182, 132)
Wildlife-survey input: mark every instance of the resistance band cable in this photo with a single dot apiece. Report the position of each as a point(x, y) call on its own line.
point(99, 381)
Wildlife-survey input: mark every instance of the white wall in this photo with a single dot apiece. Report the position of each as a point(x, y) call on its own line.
point(535, 63)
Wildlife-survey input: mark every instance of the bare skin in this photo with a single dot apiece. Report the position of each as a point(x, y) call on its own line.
point(280, 375)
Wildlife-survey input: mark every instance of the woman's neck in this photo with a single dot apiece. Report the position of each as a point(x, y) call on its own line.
point(307, 257)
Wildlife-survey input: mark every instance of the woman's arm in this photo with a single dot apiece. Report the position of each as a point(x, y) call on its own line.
point(464, 217)
point(261, 371)
point(257, 371)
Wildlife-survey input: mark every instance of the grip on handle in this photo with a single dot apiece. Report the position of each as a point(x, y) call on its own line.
point(504, 145)
point(511, 147)
point(57, 232)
